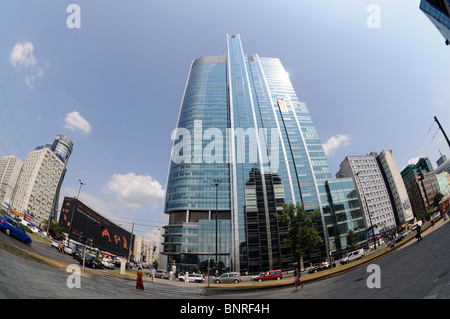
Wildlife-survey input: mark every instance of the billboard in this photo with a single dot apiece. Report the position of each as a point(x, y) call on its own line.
point(86, 222)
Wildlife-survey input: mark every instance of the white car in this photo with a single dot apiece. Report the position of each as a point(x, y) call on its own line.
point(107, 263)
point(55, 244)
point(68, 250)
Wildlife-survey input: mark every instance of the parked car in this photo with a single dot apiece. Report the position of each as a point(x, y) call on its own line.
point(324, 265)
point(192, 277)
point(270, 275)
point(228, 277)
point(161, 274)
point(77, 254)
point(399, 237)
point(14, 229)
point(55, 244)
point(353, 255)
point(107, 263)
point(260, 274)
point(92, 262)
point(68, 250)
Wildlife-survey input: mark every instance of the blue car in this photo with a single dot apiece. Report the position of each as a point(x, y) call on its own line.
point(13, 228)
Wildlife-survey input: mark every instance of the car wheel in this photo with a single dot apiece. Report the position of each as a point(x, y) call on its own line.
point(28, 242)
point(279, 278)
point(260, 280)
point(217, 281)
point(8, 232)
point(236, 281)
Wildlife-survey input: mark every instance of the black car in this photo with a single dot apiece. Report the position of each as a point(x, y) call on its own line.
point(92, 262)
point(77, 255)
point(399, 238)
point(324, 265)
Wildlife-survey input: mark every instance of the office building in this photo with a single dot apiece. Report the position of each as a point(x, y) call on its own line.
point(343, 214)
point(396, 187)
point(372, 190)
point(244, 145)
point(421, 184)
point(39, 183)
point(438, 11)
point(10, 167)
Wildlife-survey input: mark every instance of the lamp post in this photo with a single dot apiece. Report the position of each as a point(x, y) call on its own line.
point(368, 213)
point(73, 211)
point(216, 184)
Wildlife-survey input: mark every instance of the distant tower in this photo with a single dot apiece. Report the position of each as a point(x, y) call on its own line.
point(10, 167)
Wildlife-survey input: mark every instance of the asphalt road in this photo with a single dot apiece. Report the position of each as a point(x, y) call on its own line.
point(419, 270)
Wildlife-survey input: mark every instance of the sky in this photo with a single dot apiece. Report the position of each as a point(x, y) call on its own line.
point(110, 75)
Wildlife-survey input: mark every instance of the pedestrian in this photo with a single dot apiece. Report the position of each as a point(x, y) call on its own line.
point(170, 274)
point(139, 280)
point(298, 281)
point(61, 245)
point(186, 277)
point(153, 274)
point(418, 236)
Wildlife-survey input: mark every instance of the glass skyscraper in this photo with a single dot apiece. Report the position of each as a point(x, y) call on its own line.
point(438, 11)
point(244, 145)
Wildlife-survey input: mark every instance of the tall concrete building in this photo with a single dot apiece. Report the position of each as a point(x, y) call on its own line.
point(396, 187)
point(372, 190)
point(10, 167)
point(245, 145)
point(39, 183)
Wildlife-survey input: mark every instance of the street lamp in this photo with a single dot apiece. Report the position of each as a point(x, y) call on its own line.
point(216, 183)
point(368, 212)
point(73, 211)
point(79, 190)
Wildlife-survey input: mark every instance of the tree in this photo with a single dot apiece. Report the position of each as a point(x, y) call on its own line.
point(56, 231)
point(351, 240)
point(302, 237)
point(437, 198)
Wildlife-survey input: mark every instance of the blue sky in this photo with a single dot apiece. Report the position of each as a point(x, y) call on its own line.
point(115, 84)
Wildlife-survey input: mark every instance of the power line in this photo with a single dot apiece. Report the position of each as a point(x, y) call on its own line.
point(419, 145)
point(12, 115)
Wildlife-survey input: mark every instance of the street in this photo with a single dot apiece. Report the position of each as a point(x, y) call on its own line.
point(418, 270)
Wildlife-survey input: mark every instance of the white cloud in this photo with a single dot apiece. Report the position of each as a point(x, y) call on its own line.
point(136, 191)
point(22, 54)
point(74, 121)
point(335, 142)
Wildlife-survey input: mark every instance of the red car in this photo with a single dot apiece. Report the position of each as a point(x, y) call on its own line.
point(270, 275)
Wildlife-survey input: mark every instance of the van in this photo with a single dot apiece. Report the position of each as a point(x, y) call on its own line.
point(270, 275)
point(230, 277)
point(353, 255)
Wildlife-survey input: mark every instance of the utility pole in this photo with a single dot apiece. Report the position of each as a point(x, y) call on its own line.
point(216, 184)
point(442, 130)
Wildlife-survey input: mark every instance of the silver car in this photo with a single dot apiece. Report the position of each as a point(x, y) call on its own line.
point(229, 277)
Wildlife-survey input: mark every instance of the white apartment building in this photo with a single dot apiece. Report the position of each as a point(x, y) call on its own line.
point(38, 184)
point(402, 206)
point(10, 167)
point(372, 190)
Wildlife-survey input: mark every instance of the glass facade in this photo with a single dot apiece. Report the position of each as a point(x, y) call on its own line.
point(343, 214)
point(438, 11)
point(242, 123)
